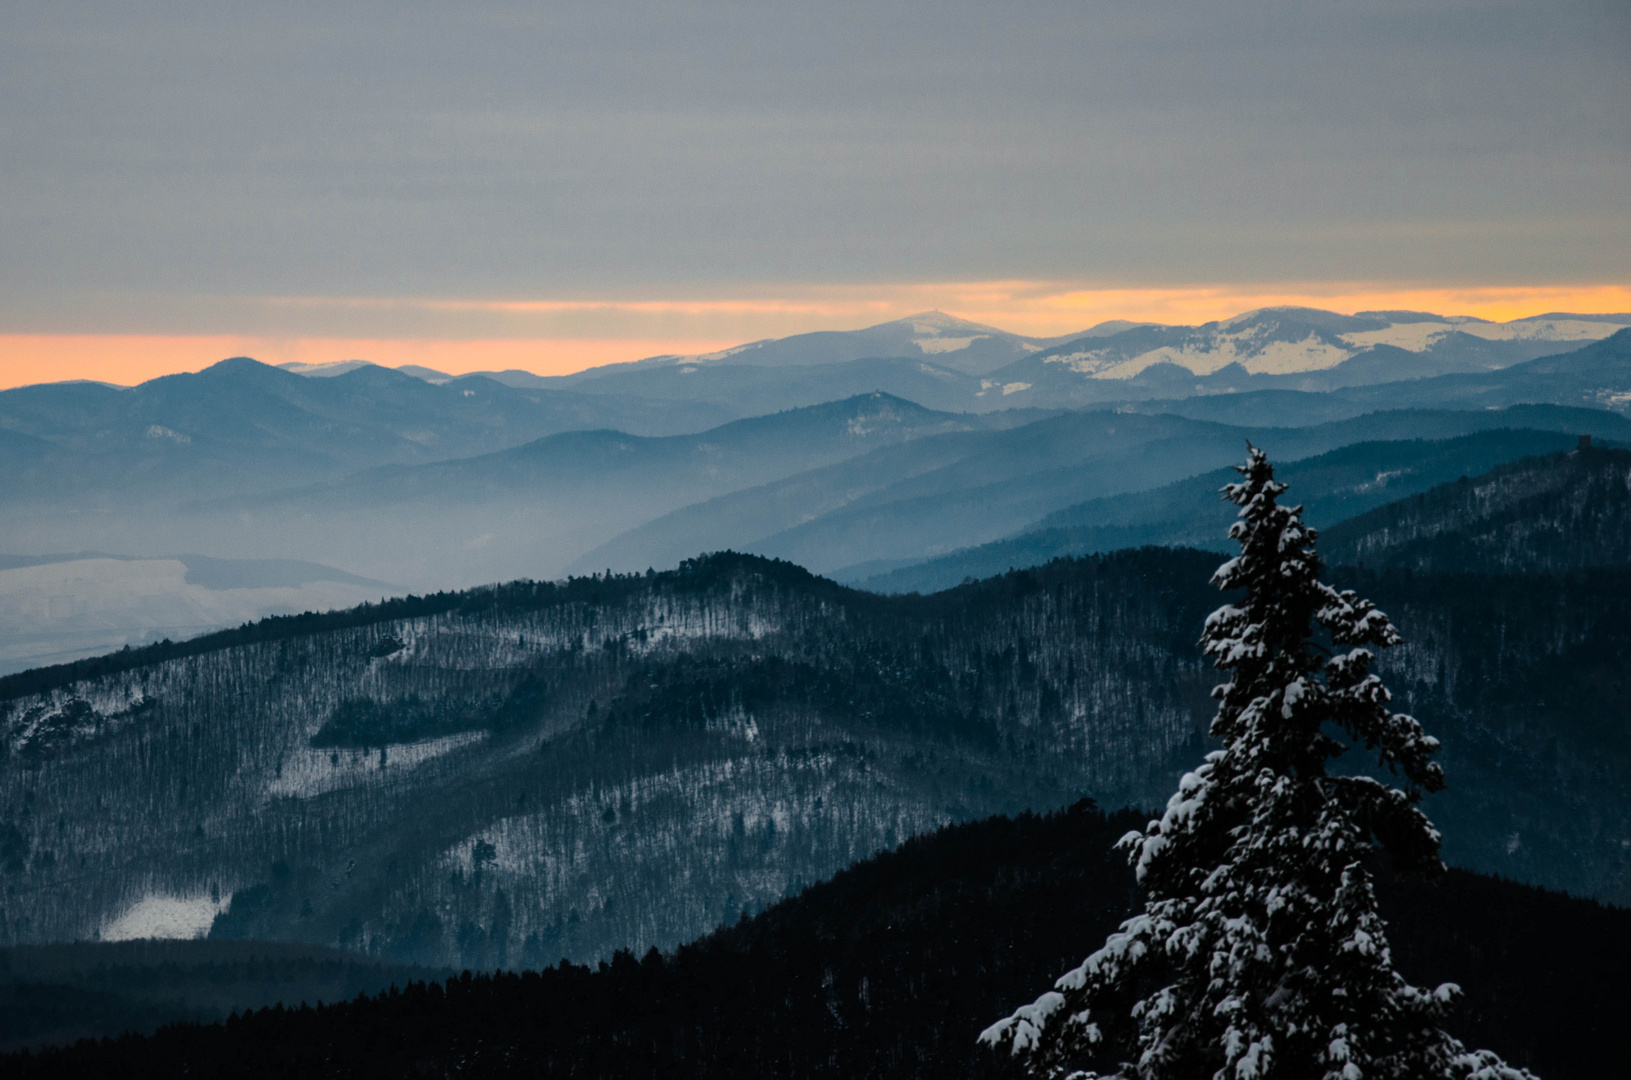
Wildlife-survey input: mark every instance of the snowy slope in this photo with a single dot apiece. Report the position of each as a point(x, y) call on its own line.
point(521, 773)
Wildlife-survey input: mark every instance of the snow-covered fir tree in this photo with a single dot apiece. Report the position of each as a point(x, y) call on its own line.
point(1260, 954)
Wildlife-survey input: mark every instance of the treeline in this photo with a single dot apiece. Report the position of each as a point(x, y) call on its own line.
point(506, 787)
point(891, 969)
point(1548, 514)
point(58, 994)
point(516, 596)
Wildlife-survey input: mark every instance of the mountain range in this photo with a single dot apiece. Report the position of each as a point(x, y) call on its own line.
point(944, 362)
point(595, 766)
point(454, 482)
point(923, 499)
point(1333, 487)
point(240, 425)
point(532, 771)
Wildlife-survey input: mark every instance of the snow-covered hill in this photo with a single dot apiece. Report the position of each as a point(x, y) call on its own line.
point(1288, 348)
point(947, 362)
point(519, 773)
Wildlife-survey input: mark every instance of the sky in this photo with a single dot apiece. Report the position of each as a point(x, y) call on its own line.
point(552, 186)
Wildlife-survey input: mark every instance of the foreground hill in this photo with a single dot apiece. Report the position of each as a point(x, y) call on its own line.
point(891, 969)
point(520, 773)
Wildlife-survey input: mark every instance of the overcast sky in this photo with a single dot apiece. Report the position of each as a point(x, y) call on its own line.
point(274, 167)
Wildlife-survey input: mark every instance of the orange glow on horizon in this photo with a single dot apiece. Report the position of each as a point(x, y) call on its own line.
point(1199, 305)
point(558, 337)
point(127, 359)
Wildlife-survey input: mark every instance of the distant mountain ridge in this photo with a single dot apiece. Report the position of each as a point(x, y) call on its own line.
point(926, 498)
point(1596, 375)
point(981, 367)
point(241, 425)
point(960, 345)
point(1333, 487)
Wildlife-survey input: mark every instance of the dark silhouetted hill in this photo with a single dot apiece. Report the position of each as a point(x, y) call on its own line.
point(890, 970)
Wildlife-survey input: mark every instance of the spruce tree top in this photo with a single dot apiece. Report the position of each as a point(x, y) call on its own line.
point(1260, 954)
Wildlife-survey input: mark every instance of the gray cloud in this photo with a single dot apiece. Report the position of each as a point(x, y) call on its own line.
point(624, 148)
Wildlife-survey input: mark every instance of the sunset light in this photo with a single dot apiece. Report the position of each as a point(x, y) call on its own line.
point(558, 337)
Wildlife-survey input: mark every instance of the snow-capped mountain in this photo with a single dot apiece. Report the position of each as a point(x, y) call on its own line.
point(970, 348)
point(945, 362)
point(1284, 348)
point(1286, 341)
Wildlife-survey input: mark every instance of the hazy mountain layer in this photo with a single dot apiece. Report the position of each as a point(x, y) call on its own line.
point(1333, 487)
point(932, 496)
point(98, 468)
point(533, 771)
point(59, 607)
point(525, 511)
point(241, 425)
point(751, 389)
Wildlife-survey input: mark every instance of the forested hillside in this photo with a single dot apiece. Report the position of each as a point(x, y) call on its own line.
point(516, 774)
point(891, 969)
point(1556, 512)
point(540, 771)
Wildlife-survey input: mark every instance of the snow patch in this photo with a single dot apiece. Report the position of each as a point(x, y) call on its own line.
point(1210, 354)
point(935, 345)
point(723, 354)
point(158, 431)
point(1547, 330)
point(309, 771)
point(167, 917)
point(1014, 388)
point(1415, 337)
